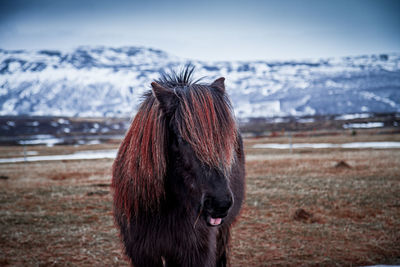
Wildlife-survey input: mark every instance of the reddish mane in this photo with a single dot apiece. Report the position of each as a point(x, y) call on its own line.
point(204, 119)
point(139, 168)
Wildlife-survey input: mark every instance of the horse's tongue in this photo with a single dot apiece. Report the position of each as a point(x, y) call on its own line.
point(215, 221)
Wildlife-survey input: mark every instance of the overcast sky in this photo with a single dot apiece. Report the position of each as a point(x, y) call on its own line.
point(207, 30)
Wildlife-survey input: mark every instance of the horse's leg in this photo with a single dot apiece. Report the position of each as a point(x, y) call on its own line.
point(222, 261)
point(222, 246)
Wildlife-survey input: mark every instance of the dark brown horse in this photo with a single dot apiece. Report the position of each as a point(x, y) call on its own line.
point(178, 178)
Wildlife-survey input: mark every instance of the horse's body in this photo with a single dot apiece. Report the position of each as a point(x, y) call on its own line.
point(178, 178)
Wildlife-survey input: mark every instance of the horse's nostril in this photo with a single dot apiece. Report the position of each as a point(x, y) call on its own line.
point(227, 204)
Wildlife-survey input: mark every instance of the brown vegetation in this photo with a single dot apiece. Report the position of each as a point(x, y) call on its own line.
point(300, 210)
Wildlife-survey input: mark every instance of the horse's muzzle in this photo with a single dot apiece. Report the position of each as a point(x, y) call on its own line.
point(216, 209)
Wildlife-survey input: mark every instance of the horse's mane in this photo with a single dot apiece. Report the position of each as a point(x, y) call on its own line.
point(183, 78)
point(140, 165)
point(204, 119)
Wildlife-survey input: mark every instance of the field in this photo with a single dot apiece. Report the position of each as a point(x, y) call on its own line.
point(302, 208)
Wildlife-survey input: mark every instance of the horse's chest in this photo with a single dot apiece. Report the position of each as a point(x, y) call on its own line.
point(183, 238)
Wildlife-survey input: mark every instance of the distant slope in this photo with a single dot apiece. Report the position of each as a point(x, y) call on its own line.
point(106, 81)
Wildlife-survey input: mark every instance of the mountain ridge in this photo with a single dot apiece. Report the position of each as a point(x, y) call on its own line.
point(109, 81)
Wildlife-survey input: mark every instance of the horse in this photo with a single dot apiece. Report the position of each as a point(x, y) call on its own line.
point(179, 175)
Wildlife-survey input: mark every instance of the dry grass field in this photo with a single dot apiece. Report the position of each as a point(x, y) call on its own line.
point(301, 209)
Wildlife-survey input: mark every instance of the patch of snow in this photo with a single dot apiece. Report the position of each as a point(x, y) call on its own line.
point(104, 130)
point(364, 109)
point(280, 120)
point(11, 123)
point(33, 123)
point(363, 125)
point(304, 120)
point(353, 116)
point(371, 145)
point(63, 121)
point(93, 142)
point(32, 153)
point(14, 66)
point(379, 145)
point(45, 139)
point(82, 155)
point(372, 96)
point(288, 146)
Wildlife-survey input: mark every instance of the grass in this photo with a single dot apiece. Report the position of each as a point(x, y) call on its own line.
point(59, 213)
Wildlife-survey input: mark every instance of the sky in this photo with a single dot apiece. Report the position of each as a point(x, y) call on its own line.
point(207, 30)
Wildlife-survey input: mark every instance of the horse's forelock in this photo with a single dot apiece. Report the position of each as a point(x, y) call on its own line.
point(205, 120)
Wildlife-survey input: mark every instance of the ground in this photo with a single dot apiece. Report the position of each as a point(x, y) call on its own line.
point(302, 208)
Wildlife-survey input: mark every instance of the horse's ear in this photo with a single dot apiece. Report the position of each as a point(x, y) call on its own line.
point(163, 95)
point(219, 84)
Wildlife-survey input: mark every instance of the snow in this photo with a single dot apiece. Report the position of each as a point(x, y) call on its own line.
point(372, 96)
point(33, 123)
point(363, 125)
point(279, 120)
point(372, 145)
point(82, 155)
point(287, 146)
point(378, 145)
point(51, 141)
point(63, 121)
point(107, 81)
point(306, 120)
point(10, 123)
point(353, 116)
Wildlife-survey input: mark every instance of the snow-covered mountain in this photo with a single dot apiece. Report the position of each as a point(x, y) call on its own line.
point(105, 81)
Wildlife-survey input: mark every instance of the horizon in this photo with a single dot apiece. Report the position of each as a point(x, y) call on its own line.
point(207, 31)
point(72, 49)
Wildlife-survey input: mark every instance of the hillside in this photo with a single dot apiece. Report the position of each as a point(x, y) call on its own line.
point(106, 81)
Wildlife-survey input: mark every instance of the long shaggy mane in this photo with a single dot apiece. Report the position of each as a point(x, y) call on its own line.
point(204, 118)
